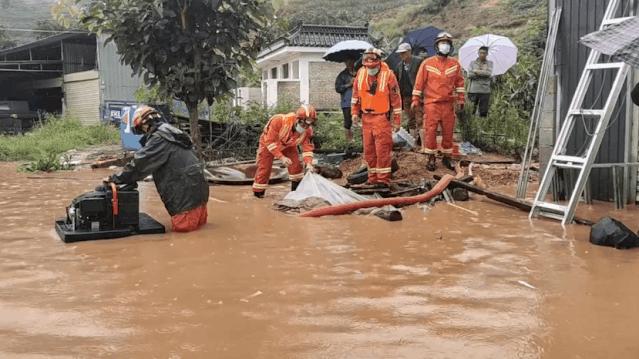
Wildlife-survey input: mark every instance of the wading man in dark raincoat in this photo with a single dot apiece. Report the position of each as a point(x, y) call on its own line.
point(167, 153)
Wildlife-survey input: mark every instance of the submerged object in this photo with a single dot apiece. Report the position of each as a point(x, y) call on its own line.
point(108, 212)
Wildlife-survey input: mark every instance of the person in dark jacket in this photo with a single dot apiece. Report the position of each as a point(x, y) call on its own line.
point(168, 154)
point(344, 86)
point(406, 73)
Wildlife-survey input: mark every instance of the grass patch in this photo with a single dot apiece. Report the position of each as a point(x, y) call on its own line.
point(46, 143)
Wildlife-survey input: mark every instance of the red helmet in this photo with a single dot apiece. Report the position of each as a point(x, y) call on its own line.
point(141, 116)
point(306, 112)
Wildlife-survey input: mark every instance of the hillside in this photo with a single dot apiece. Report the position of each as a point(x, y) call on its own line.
point(23, 14)
point(390, 19)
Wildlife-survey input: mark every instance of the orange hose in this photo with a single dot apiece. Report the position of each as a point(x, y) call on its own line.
point(116, 206)
point(397, 201)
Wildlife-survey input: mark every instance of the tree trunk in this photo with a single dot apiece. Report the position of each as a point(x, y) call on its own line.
point(195, 128)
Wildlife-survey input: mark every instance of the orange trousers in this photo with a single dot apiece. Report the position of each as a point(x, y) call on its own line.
point(435, 114)
point(265, 165)
point(377, 135)
point(190, 220)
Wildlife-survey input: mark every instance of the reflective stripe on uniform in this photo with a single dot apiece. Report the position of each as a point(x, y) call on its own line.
point(451, 70)
point(417, 93)
point(272, 146)
point(354, 100)
point(397, 110)
point(372, 170)
point(383, 81)
point(433, 70)
point(460, 90)
point(384, 170)
point(260, 186)
point(447, 150)
point(296, 176)
point(307, 154)
point(428, 151)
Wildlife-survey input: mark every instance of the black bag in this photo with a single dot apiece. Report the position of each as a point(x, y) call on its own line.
point(612, 233)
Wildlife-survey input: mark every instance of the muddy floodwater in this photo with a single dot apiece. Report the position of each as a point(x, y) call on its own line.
point(254, 283)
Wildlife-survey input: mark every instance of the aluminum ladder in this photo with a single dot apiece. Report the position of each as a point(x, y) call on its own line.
point(582, 162)
point(535, 118)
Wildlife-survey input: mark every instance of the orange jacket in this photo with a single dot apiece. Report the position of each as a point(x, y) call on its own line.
point(387, 98)
point(279, 133)
point(439, 79)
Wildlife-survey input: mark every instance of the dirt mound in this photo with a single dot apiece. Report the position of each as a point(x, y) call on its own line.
point(412, 168)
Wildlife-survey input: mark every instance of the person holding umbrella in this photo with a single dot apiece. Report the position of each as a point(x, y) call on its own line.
point(344, 86)
point(480, 76)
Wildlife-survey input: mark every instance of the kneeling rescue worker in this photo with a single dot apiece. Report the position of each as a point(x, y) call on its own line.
point(378, 103)
point(167, 153)
point(279, 140)
point(441, 83)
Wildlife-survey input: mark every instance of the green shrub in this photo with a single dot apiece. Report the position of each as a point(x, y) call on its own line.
point(53, 138)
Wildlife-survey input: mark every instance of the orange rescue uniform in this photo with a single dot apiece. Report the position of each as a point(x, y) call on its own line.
point(280, 139)
point(376, 111)
point(441, 83)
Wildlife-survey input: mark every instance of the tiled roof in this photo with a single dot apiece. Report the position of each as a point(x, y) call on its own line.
point(324, 35)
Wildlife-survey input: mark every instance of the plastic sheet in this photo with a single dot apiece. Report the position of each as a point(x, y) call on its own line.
point(403, 138)
point(314, 185)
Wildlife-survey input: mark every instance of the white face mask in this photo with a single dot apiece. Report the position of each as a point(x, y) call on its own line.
point(372, 71)
point(299, 128)
point(444, 48)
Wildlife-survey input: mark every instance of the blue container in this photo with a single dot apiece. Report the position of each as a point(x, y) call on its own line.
point(130, 141)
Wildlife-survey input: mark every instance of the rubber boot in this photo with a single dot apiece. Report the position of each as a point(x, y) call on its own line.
point(259, 194)
point(448, 163)
point(294, 185)
point(432, 165)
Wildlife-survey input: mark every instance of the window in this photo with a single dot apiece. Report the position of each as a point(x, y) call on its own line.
point(296, 70)
point(285, 71)
point(274, 73)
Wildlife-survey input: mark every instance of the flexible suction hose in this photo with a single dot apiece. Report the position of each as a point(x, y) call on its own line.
point(397, 201)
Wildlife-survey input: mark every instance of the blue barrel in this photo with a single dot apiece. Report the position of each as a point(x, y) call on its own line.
point(130, 141)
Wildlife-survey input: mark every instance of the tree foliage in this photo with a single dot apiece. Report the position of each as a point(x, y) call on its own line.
point(192, 49)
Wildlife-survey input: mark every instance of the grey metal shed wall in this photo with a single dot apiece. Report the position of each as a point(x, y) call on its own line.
point(117, 80)
point(78, 57)
point(580, 17)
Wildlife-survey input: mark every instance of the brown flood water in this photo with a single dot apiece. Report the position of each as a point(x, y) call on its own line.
point(255, 283)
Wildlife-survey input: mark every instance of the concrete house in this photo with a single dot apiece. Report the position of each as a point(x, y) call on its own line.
point(620, 146)
point(293, 69)
point(73, 73)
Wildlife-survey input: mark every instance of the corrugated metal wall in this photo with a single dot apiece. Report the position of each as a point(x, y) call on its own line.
point(580, 17)
point(117, 80)
point(79, 56)
point(82, 96)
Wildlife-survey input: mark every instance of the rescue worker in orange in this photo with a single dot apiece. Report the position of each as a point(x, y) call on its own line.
point(441, 84)
point(279, 140)
point(377, 103)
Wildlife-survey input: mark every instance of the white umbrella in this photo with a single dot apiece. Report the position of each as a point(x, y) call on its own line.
point(346, 49)
point(501, 51)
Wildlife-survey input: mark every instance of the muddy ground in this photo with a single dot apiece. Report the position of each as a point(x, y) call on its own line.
point(255, 283)
point(412, 168)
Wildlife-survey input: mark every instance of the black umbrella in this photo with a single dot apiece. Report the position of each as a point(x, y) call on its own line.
point(344, 50)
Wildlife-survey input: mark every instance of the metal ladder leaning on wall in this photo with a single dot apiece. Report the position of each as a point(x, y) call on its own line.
point(535, 118)
point(582, 163)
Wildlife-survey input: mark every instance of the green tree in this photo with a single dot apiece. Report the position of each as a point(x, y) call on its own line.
point(192, 49)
